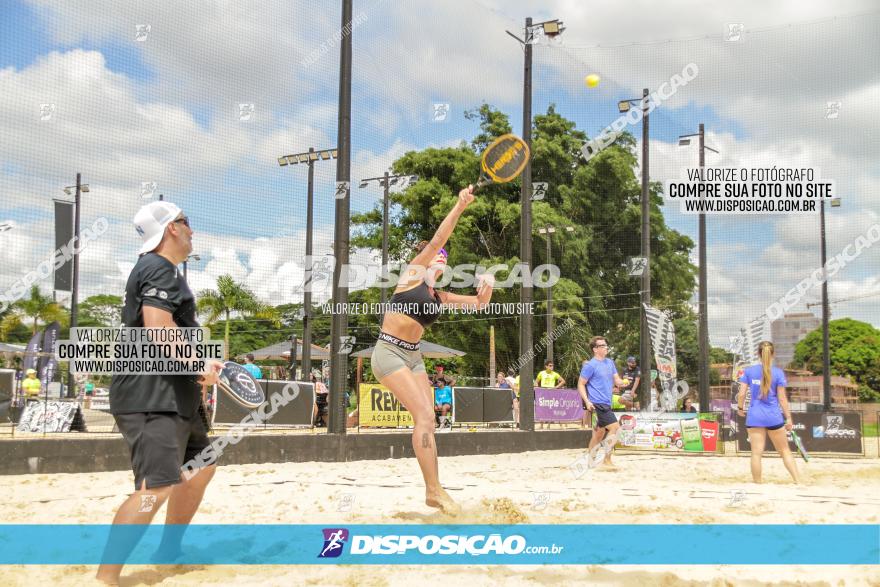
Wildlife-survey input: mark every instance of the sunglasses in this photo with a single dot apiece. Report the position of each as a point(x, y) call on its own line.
point(444, 253)
point(183, 219)
point(601, 346)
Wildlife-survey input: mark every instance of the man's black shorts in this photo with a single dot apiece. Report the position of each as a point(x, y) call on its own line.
point(604, 416)
point(160, 443)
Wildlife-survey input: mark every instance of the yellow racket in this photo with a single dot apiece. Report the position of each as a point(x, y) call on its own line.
point(503, 160)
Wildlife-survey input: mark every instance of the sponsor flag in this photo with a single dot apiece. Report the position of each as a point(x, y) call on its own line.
point(662, 334)
point(47, 363)
point(30, 352)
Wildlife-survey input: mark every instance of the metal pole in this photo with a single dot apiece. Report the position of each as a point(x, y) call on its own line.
point(292, 365)
point(549, 303)
point(307, 295)
point(704, 307)
point(645, 342)
point(826, 346)
point(74, 293)
point(526, 371)
point(385, 194)
point(339, 324)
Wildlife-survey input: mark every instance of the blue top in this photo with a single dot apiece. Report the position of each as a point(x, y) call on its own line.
point(253, 370)
point(443, 395)
point(600, 380)
point(763, 412)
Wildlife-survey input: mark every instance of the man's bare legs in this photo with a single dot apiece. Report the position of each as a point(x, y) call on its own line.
point(182, 506)
point(140, 508)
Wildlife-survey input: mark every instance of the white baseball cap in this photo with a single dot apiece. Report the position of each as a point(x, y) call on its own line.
point(151, 220)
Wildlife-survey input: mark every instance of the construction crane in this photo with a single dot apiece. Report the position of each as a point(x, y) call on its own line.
point(838, 300)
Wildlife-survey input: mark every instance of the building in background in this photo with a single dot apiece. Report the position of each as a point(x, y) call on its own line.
point(789, 330)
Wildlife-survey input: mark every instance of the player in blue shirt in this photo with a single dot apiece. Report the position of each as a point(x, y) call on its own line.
point(443, 402)
point(598, 377)
point(769, 412)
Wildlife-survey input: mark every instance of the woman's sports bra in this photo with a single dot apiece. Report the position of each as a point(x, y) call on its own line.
point(418, 304)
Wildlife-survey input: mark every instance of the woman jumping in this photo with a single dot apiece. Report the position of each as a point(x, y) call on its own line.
point(396, 360)
point(768, 403)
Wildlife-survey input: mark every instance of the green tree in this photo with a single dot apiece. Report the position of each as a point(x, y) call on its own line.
point(231, 297)
point(855, 352)
point(719, 355)
point(100, 310)
point(36, 309)
point(600, 199)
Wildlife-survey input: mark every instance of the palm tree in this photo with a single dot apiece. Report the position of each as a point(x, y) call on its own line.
point(233, 297)
point(37, 307)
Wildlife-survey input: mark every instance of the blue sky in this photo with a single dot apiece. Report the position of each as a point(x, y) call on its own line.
point(166, 109)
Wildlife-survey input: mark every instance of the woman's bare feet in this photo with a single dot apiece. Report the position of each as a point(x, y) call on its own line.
point(443, 502)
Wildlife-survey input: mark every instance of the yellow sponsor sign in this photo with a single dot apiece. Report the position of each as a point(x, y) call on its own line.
point(378, 408)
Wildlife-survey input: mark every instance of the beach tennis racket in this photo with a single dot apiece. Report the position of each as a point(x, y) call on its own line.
point(799, 445)
point(503, 160)
point(240, 385)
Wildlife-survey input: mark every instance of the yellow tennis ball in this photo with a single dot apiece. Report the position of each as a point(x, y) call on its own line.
point(592, 80)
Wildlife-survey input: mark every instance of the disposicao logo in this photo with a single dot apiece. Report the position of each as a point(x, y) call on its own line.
point(334, 541)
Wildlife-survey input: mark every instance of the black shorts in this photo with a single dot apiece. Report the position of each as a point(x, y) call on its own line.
point(160, 443)
point(604, 416)
point(777, 427)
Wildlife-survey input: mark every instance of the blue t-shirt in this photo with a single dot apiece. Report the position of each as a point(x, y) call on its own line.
point(253, 370)
point(763, 412)
point(600, 380)
point(443, 395)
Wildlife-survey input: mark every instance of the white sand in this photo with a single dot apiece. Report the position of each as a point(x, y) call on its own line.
point(536, 487)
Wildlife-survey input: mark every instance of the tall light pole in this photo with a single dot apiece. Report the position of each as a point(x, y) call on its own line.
point(309, 158)
point(549, 28)
point(78, 190)
point(702, 296)
point(644, 342)
point(826, 344)
point(549, 231)
point(185, 263)
point(386, 181)
point(339, 320)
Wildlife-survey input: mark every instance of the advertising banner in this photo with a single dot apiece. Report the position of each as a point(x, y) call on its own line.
point(709, 431)
point(378, 408)
point(662, 333)
point(819, 432)
point(669, 431)
point(30, 352)
point(690, 435)
point(558, 405)
point(50, 417)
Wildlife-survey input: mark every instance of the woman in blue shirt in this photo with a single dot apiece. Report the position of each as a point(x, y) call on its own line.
point(769, 412)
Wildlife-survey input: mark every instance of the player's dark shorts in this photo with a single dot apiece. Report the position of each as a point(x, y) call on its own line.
point(777, 427)
point(604, 416)
point(160, 443)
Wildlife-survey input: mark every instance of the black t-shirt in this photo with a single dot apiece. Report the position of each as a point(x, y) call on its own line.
point(155, 281)
point(631, 374)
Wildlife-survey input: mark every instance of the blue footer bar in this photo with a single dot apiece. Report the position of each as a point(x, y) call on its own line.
point(562, 544)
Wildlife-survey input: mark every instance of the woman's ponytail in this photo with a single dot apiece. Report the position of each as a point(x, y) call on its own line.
point(765, 350)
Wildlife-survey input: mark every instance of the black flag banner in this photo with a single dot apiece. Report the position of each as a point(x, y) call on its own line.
point(30, 353)
point(47, 363)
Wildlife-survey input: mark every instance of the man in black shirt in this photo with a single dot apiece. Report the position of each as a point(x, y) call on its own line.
point(158, 415)
point(632, 375)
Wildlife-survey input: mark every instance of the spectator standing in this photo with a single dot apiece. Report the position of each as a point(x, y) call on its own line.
point(251, 367)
